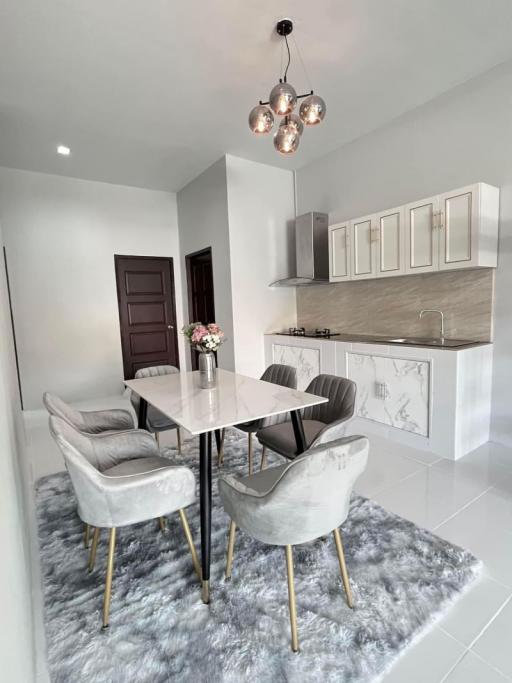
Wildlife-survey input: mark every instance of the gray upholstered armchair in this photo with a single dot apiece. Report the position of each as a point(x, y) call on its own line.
point(284, 376)
point(322, 423)
point(156, 421)
point(91, 421)
point(96, 422)
point(296, 503)
point(121, 479)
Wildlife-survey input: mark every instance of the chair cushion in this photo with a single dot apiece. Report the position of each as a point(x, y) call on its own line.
point(138, 466)
point(157, 421)
point(257, 484)
point(281, 438)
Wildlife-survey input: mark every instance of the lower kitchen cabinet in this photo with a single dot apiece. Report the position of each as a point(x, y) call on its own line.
point(310, 357)
point(438, 400)
point(392, 391)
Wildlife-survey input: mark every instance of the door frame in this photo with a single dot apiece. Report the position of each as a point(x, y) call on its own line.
point(188, 258)
point(170, 260)
point(207, 251)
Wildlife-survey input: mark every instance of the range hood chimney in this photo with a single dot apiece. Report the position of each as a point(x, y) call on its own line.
point(312, 251)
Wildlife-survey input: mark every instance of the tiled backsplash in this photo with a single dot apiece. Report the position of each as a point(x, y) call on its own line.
point(391, 305)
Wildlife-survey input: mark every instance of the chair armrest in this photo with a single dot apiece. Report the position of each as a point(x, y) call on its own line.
point(114, 448)
point(331, 432)
point(256, 485)
point(139, 497)
point(98, 421)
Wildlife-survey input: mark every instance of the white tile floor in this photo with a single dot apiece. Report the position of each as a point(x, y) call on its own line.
point(468, 502)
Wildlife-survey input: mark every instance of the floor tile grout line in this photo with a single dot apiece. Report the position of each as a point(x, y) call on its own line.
point(386, 488)
point(455, 665)
point(495, 668)
point(480, 634)
point(459, 660)
point(466, 505)
point(468, 648)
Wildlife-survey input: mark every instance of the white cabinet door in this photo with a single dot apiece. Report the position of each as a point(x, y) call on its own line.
point(394, 391)
point(339, 252)
point(458, 228)
point(362, 250)
point(389, 242)
point(422, 236)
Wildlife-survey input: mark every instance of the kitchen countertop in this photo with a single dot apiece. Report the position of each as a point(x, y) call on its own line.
point(380, 339)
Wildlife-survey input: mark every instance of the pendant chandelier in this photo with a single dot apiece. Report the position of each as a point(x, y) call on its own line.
point(282, 102)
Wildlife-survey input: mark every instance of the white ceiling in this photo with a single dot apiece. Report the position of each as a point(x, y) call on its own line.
point(149, 93)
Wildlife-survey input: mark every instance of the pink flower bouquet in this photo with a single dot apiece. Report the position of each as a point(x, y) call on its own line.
point(204, 338)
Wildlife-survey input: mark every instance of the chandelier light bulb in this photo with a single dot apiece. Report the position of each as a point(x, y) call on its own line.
point(261, 120)
point(312, 110)
point(282, 99)
point(287, 139)
point(294, 121)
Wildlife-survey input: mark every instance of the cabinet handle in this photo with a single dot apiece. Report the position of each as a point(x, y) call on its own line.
point(441, 220)
point(435, 225)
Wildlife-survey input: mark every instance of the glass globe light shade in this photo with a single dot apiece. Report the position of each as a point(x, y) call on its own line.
point(295, 121)
point(261, 120)
point(287, 139)
point(312, 110)
point(282, 99)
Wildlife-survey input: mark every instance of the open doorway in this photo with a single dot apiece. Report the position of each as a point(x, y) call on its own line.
point(201, 302)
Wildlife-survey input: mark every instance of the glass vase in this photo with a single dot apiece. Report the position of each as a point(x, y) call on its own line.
point(207, 370)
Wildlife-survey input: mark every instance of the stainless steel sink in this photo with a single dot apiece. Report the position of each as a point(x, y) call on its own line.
point(422, 341)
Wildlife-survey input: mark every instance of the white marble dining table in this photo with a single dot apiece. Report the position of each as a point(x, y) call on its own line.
point(234, 400)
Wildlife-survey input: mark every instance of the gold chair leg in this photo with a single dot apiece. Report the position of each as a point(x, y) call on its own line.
point(87, 530)
point(190, 541)
point(108, 579)
point(249, 444)
point(343, 566)
point(161, 523)
point(94, 547)
point(231, 548)
point(291, 598)
point(263, 458)
point(178, 439)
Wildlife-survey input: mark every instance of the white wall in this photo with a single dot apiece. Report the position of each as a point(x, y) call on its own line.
point(203, 221)
point(61, 235)
point(457, 139)
point(16, 639)
point(261, 224)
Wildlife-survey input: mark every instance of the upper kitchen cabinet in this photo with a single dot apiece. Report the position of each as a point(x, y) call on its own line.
point(362, 250)
point(421, 236)
point(453, 230)
point(468, 227)
point(389, 242)
point(339, 252)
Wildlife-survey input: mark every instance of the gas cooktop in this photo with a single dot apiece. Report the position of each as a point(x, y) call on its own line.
point(324, 333)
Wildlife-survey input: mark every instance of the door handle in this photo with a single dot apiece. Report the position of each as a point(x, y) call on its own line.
point(170, 327)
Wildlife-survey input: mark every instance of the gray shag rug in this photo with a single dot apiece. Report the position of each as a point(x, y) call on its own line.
point(402, 577)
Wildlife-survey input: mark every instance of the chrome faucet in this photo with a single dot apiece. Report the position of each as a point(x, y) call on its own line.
point(434, 310)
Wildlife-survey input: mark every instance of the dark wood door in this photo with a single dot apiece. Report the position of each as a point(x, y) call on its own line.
point(201, 303)
point(147, 312)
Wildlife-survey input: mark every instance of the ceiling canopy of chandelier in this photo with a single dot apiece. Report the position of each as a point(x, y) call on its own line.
point(282, 101)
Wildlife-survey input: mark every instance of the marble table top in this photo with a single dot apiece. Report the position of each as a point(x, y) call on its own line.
point(235, 399)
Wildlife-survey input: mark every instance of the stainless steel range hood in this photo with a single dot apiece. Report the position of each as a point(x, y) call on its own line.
point(312, 252)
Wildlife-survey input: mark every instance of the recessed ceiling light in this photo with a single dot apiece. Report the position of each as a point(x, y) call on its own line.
point(62, 149)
